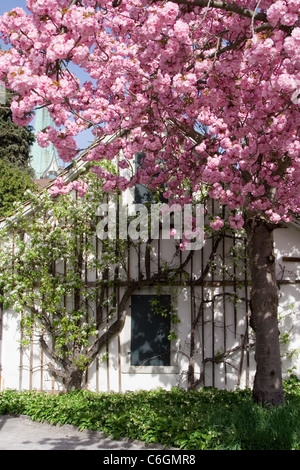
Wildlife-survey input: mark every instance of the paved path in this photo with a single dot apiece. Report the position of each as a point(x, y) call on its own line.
point(20, 433)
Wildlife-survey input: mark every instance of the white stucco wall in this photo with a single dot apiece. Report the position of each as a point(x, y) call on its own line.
point(287, 245)
point(26, 367)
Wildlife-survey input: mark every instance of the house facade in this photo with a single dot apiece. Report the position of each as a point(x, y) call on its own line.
point(187, 315)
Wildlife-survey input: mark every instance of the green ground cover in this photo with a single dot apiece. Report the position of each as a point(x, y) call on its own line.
point(204, 419)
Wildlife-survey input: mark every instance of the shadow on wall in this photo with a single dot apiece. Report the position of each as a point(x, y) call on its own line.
point(287, 251)
point(289, 327)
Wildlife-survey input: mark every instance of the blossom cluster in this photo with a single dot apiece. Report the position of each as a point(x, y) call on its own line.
point(60, 187)
point(209, 96)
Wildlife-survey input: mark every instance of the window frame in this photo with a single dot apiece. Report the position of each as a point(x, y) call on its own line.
point(127, 368)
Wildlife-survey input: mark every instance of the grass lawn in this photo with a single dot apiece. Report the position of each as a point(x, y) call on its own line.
point(204, 419)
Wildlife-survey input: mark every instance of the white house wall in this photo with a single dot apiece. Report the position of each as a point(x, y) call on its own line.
point(220, 331)
point(287, 252)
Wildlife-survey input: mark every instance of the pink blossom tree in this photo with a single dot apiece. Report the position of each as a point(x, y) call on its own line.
point(207, 89)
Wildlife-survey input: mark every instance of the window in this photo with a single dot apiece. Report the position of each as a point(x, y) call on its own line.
point(143, 195)
point(150, 328)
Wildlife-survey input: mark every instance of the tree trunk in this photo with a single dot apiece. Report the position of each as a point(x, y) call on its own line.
point(267, 388)
point(73, 380)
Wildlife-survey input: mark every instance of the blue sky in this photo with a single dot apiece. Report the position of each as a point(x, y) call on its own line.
point(9, 5)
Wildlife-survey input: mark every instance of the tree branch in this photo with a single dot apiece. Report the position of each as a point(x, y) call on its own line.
point(50, 352)
point(211, 257)
point(57, 372)
point(226, 6)
point(221, 357)
point(116, 327)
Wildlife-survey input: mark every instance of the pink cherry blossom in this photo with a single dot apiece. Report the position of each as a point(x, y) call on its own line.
point(217, 223)
point(204, 109)
point(236, 221)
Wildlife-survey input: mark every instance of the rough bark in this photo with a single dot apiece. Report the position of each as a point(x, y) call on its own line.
point(72, 374)
point(73, 380)
point(267, 388)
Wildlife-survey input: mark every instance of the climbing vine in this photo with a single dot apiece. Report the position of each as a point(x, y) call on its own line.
point(47, 250)
point(63, 280)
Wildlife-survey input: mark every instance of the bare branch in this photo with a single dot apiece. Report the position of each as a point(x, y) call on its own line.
point(116, 327)
point(51, 353)
point(226, 6)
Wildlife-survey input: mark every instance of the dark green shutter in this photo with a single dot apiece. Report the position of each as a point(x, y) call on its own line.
point(150, 328)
